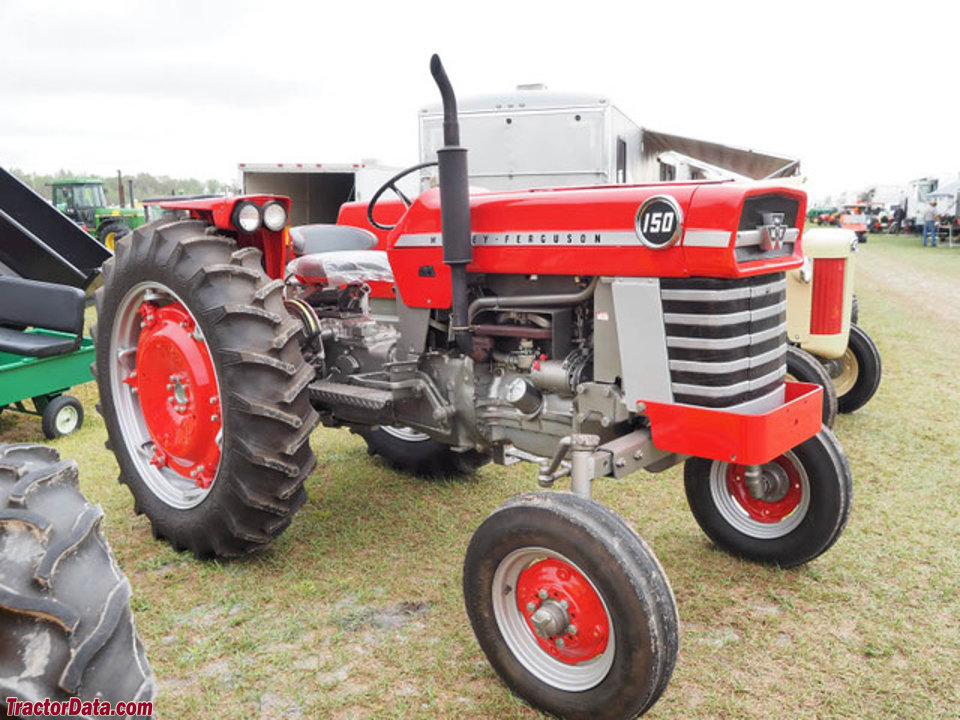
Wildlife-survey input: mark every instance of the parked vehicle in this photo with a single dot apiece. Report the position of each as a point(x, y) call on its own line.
point(821, 322)
point(570, 328)
point(67, 631)
point(84, 201)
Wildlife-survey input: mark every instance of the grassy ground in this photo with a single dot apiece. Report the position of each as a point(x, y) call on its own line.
point(356, 612)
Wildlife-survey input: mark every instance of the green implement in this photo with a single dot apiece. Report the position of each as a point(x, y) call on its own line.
point(44, 381)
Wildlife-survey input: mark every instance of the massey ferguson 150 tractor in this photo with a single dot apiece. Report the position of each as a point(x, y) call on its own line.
point(594, 332)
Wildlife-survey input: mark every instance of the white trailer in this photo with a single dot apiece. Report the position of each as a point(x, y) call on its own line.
point(533, 138)
point(317, 189)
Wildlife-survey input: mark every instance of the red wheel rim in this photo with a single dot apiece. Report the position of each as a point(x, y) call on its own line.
point(764, 511)
point(178, 395)
point(588, 628)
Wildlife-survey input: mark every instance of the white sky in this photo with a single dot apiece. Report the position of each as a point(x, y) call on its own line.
point(862, 92)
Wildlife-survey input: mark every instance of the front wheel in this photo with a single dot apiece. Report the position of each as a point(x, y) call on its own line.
point(856, 375)
point(804, 367)
point(571, 608)
point(799, 512)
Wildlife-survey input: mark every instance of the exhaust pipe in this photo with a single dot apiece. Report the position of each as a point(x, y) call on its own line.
point(454, 207)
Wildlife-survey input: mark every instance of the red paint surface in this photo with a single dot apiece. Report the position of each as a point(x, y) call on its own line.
point(734, 437)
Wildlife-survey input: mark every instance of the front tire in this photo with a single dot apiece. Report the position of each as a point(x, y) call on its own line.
point(805, 508)
point(410, 451)
point(571, 608)
point(804, 367)
point(858, 372)
point(66, 626)
point(110, 232)
point(203, 389)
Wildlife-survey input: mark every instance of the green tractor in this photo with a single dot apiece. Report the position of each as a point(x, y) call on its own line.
point(83, 201)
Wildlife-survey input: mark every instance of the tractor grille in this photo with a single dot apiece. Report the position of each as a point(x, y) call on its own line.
point(726, 339)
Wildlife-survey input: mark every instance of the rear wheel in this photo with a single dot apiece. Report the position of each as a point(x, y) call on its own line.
point(804, 367)
point(800, 511)
point(66, 626)
point(203, 388)
point(571, 608)
point(856, 375)
point(414, 452)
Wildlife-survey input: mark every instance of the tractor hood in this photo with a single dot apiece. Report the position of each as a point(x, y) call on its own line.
point(711, 229)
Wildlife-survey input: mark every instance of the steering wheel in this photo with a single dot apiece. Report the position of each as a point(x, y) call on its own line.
point(391, 184)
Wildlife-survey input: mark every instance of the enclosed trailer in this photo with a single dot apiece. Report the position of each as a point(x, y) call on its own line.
point(533, 137)
point(317, 190)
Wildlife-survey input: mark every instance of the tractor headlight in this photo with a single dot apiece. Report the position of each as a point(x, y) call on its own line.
point(246, 217)
point(274, 216)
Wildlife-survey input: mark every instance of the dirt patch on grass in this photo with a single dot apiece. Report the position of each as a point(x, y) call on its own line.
point(928, 292)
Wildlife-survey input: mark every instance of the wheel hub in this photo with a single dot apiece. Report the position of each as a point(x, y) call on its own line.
point(177, 389)
point(563, 611)
point(768, 493)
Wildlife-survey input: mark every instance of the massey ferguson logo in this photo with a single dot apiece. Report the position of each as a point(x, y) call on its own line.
point(772, 232)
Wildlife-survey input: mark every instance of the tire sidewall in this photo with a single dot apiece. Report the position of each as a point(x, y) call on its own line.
point(806, 368)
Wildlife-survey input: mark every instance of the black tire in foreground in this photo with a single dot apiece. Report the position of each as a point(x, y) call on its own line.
point(859, 372)
point(66, 627)
point(413, 452)
point(806, 368)
point(254, 413)
point(571, 608)
point(803, 508)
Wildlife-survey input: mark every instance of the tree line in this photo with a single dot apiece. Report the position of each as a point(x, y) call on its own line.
point(145, 185)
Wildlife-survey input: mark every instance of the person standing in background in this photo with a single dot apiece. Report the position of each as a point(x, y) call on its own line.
point(930, 224)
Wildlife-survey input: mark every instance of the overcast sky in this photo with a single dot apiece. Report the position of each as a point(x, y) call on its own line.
point(862, 92)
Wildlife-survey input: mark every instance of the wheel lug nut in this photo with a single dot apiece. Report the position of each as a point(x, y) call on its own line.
point(542, 594)
point(571, 629)
point(564, 604)
point(214, 418)
point(560, 643)
point(531, 607)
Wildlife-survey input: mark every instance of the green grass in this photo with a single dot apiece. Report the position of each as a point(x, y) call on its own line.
point(357, 612)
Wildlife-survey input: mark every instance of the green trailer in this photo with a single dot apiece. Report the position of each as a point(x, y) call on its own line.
point(44, 381)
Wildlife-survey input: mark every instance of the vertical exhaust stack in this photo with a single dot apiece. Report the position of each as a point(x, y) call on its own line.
point(454, 206)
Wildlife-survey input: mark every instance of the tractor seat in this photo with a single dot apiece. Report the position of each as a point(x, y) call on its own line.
point(323, 237)
point(42, 306)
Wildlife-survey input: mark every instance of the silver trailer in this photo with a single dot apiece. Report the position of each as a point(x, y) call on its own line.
point(534, 138)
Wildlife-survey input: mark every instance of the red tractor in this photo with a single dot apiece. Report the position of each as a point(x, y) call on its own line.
point(595, 332)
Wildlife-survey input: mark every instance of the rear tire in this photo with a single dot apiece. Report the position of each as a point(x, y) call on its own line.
point(860, 371)
point(413, 452)
point(615, 657)
point(804, 367)
point(788, 529)
point(261, 389)
point(66, 627)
